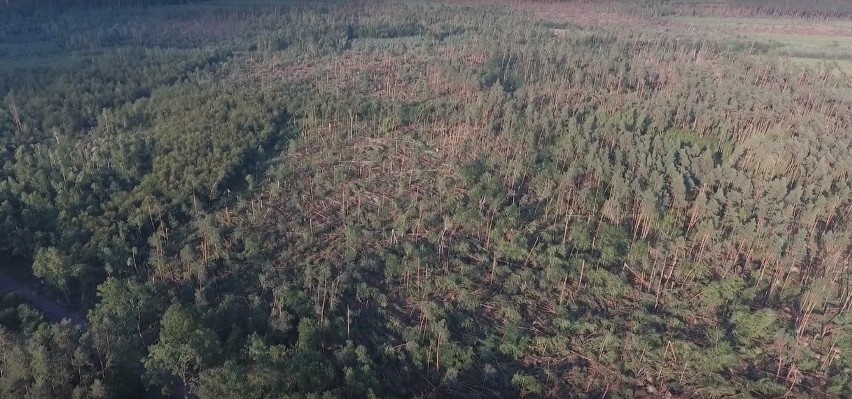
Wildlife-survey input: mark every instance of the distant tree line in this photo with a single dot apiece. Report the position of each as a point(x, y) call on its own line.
point(30, 6)
point(819, 9)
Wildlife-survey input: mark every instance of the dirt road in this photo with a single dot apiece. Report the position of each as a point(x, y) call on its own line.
point(54, 312)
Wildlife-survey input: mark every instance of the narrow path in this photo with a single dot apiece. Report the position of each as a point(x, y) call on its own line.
point(57, 313)
point(54, 311)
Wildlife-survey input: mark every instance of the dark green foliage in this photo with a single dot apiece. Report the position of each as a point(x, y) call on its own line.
point(416, 199)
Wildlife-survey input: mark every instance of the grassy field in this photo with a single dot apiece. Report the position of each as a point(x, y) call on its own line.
point(844, 66)
point(836, 27)
point(818, 43)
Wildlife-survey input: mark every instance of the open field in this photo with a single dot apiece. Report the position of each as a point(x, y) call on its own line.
point(808, 41)
point(795, 38)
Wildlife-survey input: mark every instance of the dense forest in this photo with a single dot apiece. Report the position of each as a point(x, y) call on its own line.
point(248, 199)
